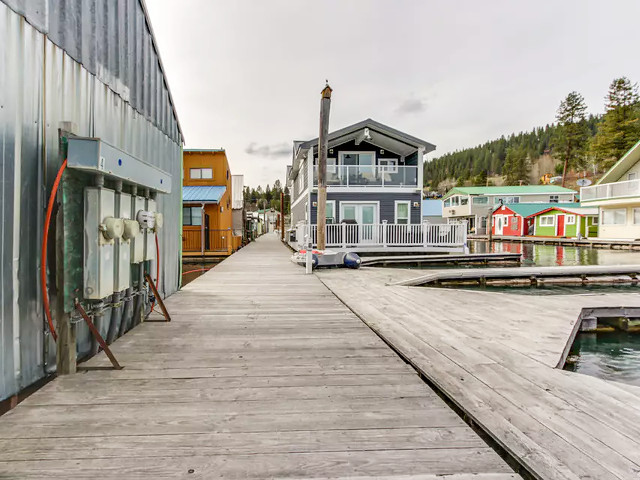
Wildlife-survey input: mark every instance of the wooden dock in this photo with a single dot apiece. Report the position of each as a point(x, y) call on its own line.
point(263, 373)
point(580, 272)
point(495, 356)
point(452, 258)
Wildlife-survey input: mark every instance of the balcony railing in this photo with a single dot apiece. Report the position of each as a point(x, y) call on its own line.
point(369, 176)
point(214, 240)
point(426, 235)
point(630, 188)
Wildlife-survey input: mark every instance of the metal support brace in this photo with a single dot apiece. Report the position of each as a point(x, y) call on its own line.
point(97, 336)
point(165, 313)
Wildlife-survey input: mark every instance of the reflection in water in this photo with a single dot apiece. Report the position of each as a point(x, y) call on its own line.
point(611, 356)
point(191, 271)
point(550, 255)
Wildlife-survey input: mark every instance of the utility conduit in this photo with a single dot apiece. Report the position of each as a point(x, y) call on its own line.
point(43, 252)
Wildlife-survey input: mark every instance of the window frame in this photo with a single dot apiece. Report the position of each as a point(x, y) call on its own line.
point(190, 216)
point(613, 213)
point(570, 219)
point(551, 217)
point(333, 207)
point(395, 212)
point(388, 167)
point(551, 199)
point(635, 211)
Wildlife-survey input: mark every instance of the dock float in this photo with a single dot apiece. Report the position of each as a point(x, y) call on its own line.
point(533, 274)
point(262, 373)
point(453, 258)
point(494, 356)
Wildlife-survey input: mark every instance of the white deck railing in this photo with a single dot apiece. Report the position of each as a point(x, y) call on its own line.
point(426, 235)
point(629, 188)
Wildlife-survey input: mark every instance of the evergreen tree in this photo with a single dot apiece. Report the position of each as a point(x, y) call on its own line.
point(620, 128)
point(571, 137)
point(517, 166)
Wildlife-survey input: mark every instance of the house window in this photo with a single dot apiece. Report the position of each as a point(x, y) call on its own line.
point(548, 221)
point(480, 200)
point(464, 200)
point(198, 173)
point(595, 220)
point(192, 216)
point(447, 202)
point(402, 213)
point(617, 216)
point(388, 165)
point(330, 213)
point(636, 216)
point(514, 223)
point(507, 200)
point(455, 201)
point(571, 219)
point(553, 199)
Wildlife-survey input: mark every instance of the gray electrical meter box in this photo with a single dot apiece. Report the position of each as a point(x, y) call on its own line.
point(101, 230)
point(122, 251)
point(137, 242)
point(149, 231)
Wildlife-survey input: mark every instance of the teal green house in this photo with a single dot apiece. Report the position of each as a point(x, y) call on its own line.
point(567, 222)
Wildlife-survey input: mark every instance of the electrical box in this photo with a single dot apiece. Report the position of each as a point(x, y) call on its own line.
point(122, 250)
point(138, 241)
point(101, 230)
point(147, 219)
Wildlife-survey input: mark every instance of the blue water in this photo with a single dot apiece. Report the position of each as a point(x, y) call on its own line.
point(611, 356)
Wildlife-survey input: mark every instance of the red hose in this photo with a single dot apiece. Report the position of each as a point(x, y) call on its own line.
point(43, 253)
point(157, 269)
point(196, 270)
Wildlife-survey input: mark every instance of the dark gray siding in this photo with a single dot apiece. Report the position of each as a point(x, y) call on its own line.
point(387, 203)
point(367, 147)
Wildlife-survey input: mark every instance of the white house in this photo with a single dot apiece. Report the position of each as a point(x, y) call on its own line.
point(617, 195)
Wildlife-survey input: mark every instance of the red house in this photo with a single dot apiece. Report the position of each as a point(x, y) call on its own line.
point(517, 219)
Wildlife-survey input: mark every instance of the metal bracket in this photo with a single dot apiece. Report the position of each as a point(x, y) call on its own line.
point(165, 313)
point(96, 334)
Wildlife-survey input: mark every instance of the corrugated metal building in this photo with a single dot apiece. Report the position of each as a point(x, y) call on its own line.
point(94, 65)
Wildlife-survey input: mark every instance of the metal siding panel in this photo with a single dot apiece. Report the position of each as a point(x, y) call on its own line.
point(30, 117)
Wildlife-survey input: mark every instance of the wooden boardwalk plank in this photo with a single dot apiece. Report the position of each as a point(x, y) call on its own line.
point(263, 373)
point(494, 355)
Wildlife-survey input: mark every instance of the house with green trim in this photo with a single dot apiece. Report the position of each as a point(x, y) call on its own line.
point(566, 222)
point(617, 196)
point(475, 204)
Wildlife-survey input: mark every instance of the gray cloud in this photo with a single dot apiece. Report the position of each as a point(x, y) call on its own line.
point(412, 105)
point(275, 151)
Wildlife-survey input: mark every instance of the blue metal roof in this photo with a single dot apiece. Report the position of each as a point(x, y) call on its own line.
point(431, 208)
point(211, 194)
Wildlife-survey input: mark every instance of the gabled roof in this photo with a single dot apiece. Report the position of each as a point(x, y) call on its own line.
point(509, 190)
point(526, 210)
point(203, 194)
point(377, 126)
point(623, 165)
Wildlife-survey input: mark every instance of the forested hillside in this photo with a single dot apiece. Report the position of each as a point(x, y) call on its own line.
point(578, 141)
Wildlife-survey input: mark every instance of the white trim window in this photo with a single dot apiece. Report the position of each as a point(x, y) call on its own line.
point(636, 216)
point(614, 216)
point(548, 221)
point(571, 219)
point(200, 173)
point(330, 212)
point(388, 165)
point(554, 199)
point(402, 212)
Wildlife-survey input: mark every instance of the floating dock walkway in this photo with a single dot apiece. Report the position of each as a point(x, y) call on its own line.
point(495, 356)
point(451, 259)
point(263, 373)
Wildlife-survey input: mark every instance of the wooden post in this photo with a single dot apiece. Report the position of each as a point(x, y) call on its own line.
point(282, 216)
point(323, 144)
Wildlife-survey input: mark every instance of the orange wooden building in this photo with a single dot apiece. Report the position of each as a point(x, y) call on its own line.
point(206, 205)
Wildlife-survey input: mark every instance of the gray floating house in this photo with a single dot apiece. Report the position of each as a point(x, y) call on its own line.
point(374, 192)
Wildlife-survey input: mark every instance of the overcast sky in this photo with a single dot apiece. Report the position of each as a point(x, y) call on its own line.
point(247, 75)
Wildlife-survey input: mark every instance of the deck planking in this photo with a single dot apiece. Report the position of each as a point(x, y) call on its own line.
point(494, 355)
point(263, 373)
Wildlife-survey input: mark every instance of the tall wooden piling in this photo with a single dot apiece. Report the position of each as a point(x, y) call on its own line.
point(323, 143)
